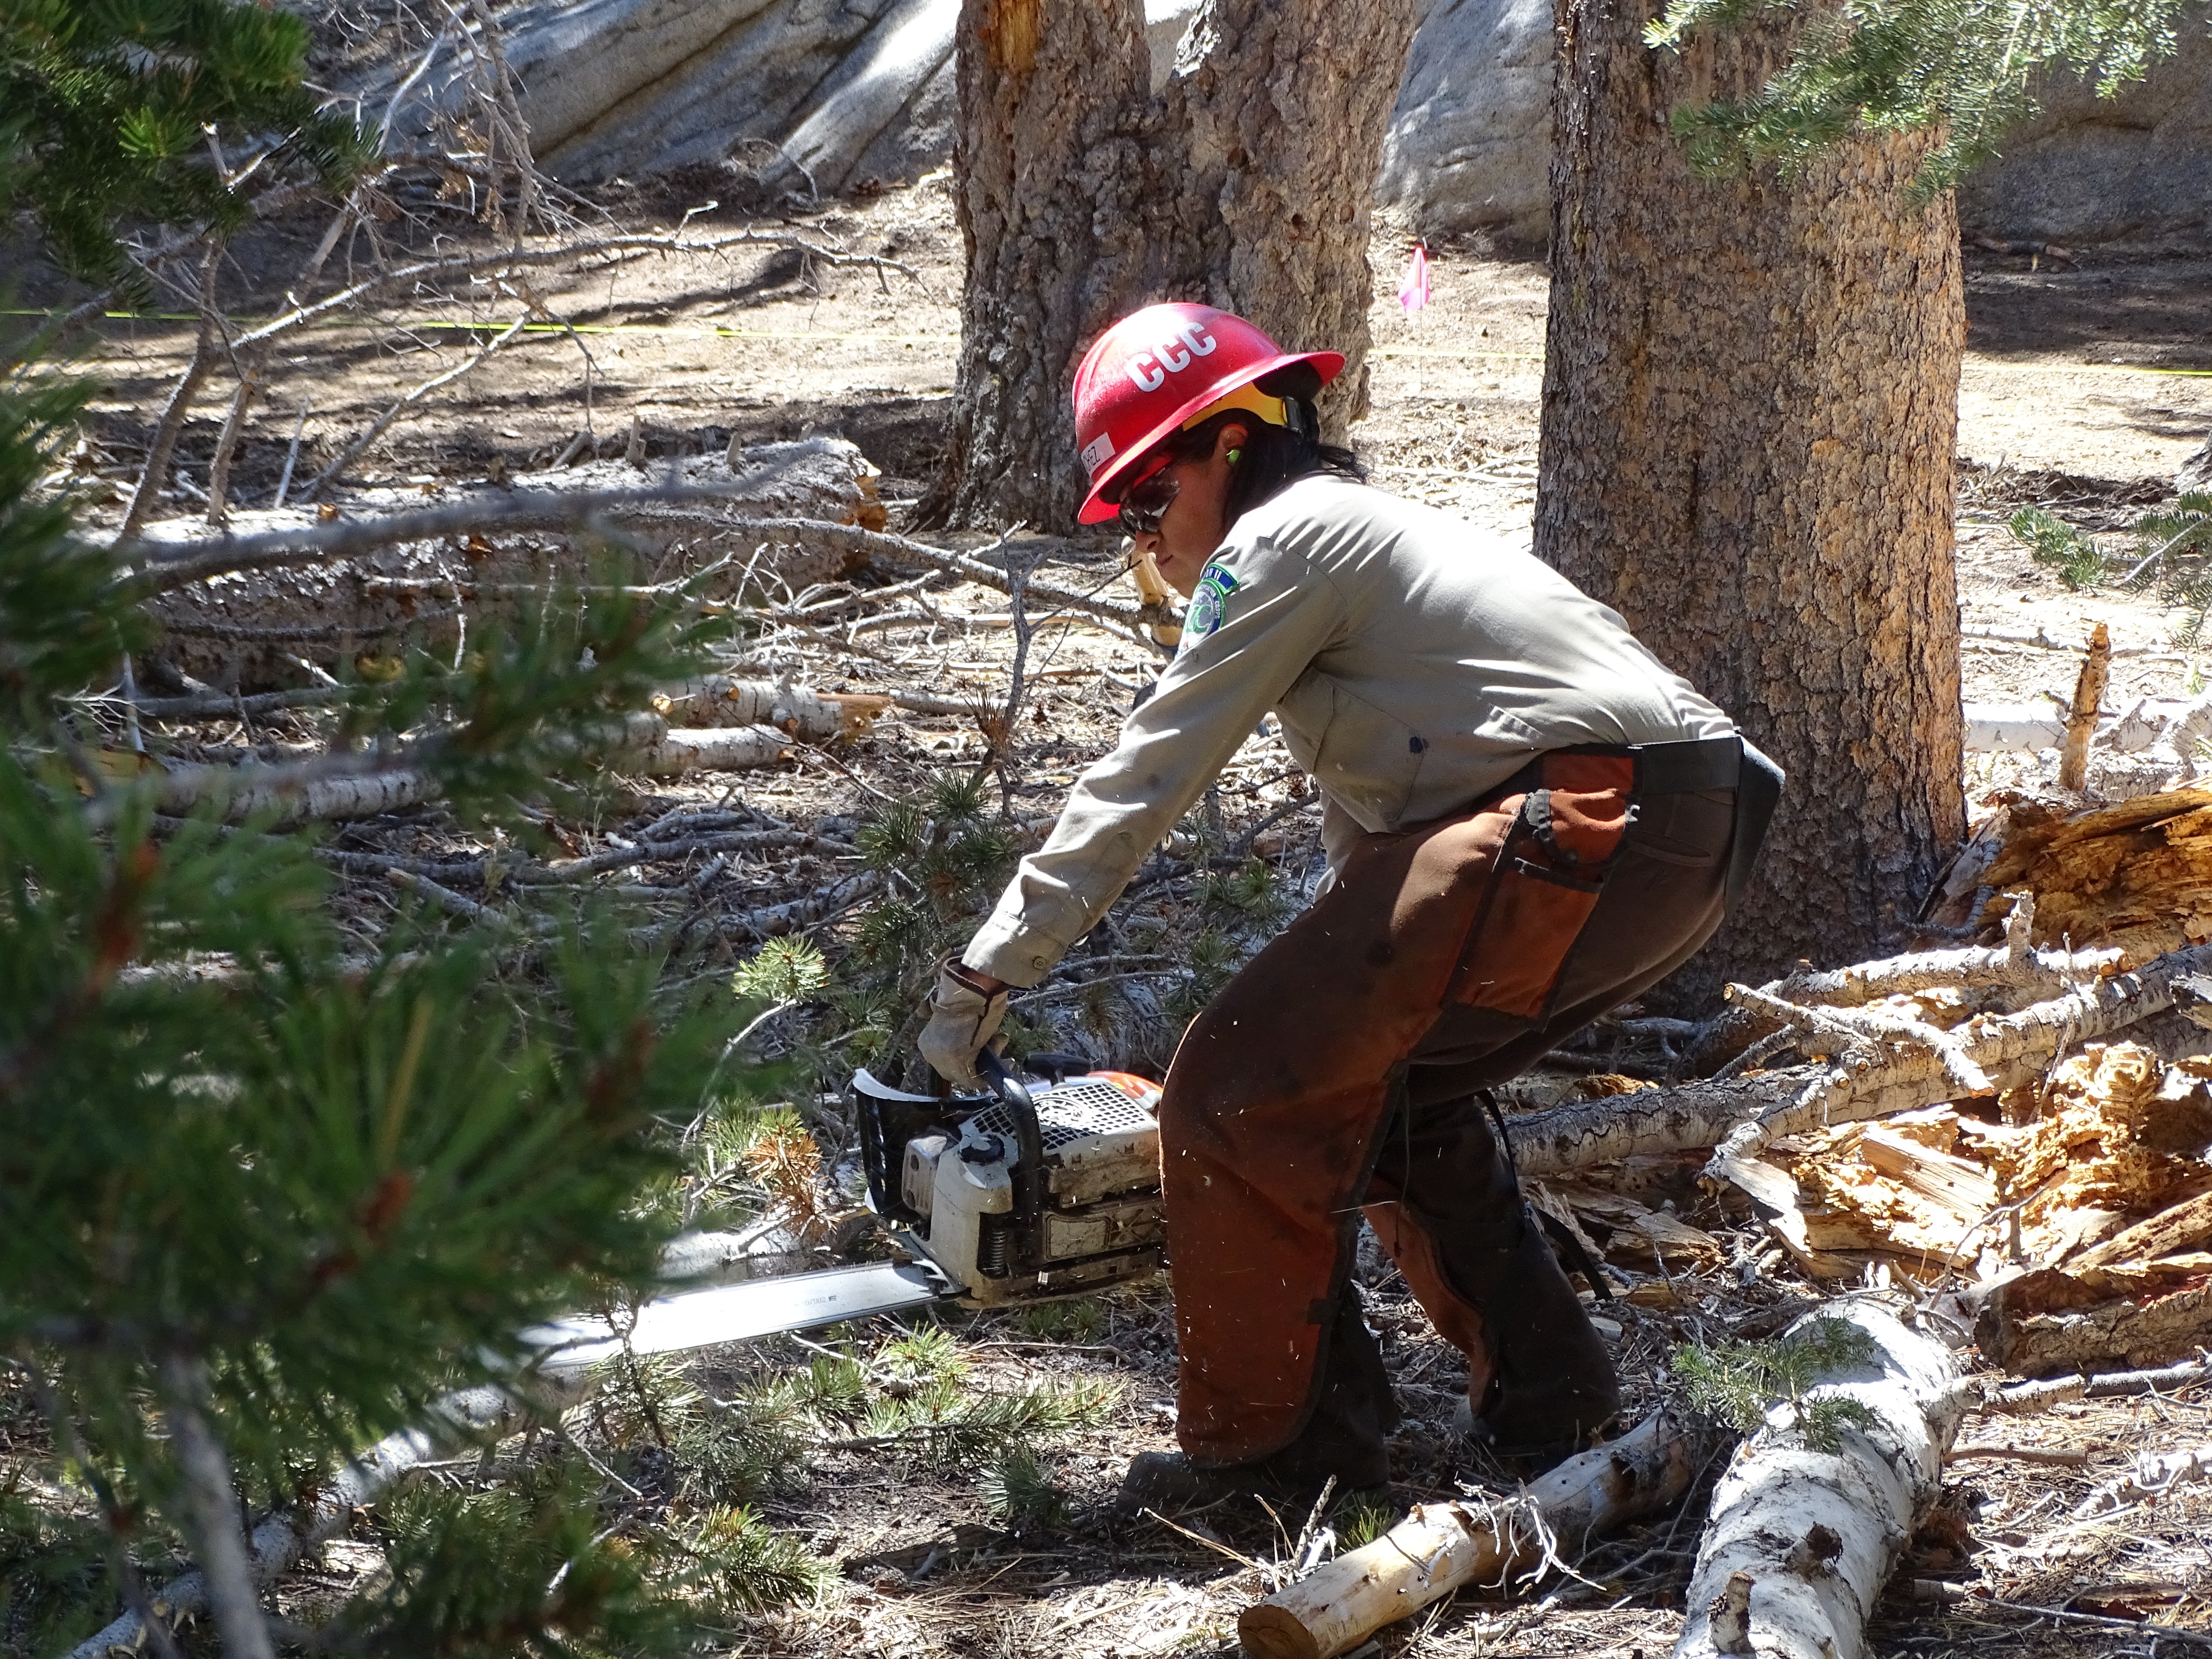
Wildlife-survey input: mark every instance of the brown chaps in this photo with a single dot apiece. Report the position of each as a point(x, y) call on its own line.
point(1336, 1074)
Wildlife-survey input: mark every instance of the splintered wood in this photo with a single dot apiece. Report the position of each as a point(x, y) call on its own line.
point(2079, 1211)
point(2137, 874)
point(2098, 1145)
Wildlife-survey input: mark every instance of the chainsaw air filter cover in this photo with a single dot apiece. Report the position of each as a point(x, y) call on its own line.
point(949, 1170)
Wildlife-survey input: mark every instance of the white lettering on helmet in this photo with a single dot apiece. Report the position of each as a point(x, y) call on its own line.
point(1176, 360)
point(1199, 342)
point(1138, 366)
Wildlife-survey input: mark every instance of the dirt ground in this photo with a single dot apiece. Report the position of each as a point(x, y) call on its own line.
point(2085, 387)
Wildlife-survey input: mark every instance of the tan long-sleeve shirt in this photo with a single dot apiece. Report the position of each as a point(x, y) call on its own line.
point(1415, 662)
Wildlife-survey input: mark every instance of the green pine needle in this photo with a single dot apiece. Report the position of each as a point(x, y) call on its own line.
point(1963, 71)
point(1738, 1385)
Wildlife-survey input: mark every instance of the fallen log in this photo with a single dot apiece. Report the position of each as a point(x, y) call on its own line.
point(1739, 1114)
point(1441, 1547)
point(360, 786)
point(236, 610)
point(1800, 1541)
point(1988, 972)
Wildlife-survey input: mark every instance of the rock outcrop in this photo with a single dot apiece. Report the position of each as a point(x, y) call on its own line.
point(2134, 169)
point(816, 96)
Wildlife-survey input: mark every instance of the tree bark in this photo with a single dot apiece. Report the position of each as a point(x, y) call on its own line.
point(1750, 407)
point(1081, 197)
point(1800, 1541)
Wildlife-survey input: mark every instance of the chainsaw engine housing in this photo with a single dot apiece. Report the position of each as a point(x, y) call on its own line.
point(949, 1173)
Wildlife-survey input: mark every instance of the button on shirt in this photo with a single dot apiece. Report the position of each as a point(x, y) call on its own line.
point(1415, 662)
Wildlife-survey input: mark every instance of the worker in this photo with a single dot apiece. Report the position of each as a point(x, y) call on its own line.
point(1527, 818)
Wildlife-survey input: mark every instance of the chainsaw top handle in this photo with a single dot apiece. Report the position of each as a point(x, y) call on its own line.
point(1029, 1135)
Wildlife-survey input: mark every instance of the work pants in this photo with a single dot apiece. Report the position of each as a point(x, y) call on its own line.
point(1337, 1073)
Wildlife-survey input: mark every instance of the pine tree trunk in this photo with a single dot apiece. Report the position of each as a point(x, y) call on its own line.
point(1247, 184)
point(1049, 163)
point(1750, 405)
point(1266, 158)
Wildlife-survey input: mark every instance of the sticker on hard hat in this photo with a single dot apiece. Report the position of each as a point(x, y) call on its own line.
point(1097, 453)
point(1207, 604)
point(1148, 368)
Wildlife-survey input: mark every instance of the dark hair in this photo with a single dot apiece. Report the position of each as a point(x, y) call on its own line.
point(1275, 455)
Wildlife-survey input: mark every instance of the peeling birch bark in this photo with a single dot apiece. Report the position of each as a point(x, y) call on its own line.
point(1799, 1541)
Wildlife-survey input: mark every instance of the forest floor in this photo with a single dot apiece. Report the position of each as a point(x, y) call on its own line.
point(2086, 385)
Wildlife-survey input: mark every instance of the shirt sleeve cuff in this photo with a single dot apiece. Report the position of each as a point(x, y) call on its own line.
point(1020, 956)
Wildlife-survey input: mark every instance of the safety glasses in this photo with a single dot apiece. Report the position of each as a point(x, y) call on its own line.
point(1144, 502)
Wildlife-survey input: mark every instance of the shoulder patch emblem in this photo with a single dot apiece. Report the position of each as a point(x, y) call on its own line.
point(1210, 603)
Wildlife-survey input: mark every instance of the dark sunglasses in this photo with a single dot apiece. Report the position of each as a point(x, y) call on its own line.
point(1146, 503)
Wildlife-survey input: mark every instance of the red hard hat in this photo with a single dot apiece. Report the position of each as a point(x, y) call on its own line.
point(1153, 371)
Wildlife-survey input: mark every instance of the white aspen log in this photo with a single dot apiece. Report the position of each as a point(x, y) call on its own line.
point(1799, 1541)
point(1442, 1546)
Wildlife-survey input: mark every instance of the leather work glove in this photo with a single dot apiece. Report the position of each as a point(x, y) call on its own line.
point(962, 1017)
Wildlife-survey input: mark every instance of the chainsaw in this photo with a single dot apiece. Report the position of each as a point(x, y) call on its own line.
point(1034, 1189)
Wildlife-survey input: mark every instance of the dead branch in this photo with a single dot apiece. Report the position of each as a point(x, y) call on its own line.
point(2155, 1474)
point(212, 1507)
point(2082, 718)
point(1442, 1546)
point(431, 273)
point(172, 422)
point(1800, 1541)
point(468, 1418)
point(275, 199)
point(326, 544)
point(1739, 1115)
point(2056, 1457)
point(881, 544)
point(250, 384)
point(1857, 1025)
point(407, 401)
point(2012, 966)
point(2024, 1398)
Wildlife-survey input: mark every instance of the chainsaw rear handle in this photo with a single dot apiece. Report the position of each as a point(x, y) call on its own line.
point(1029, 1136)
